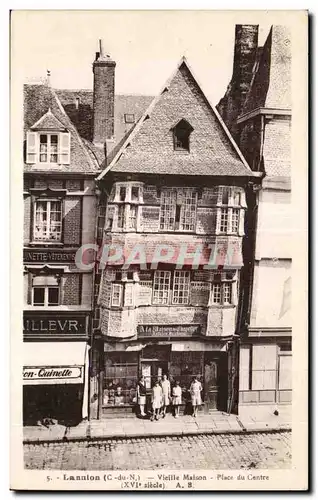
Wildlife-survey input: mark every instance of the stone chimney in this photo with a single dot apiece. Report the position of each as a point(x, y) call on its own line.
point(103, 98)
point(245, 51)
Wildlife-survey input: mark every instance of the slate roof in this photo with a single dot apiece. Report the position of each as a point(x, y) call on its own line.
point(48, 122)
point(38, 99)
point(149, 147)
point(83, 116)
point(271, 84)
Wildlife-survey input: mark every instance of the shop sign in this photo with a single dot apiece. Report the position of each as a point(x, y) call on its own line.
point(168, 330)
point(52, 372)
point(54, 324)
point(48, 256)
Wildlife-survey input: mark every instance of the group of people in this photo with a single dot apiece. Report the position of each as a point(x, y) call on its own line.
point(162, 395)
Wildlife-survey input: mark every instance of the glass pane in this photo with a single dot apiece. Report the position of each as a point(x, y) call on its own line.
point(38, 296)
point(53, 296)
point(43, 139)
point(53, 139)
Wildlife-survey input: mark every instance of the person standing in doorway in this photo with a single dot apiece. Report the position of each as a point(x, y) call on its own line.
point(156, 399)
point(195, 392)
point(166, 394)
point(176, 398)
point(141, 395)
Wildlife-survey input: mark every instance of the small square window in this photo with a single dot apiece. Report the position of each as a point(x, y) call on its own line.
point(129, 118)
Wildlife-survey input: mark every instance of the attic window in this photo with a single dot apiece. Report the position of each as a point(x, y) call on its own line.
point(181, 136)
point(129, 118)
point(77, 102)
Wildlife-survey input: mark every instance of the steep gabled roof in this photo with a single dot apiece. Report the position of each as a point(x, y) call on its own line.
point(271, 83)
point(42, 108)
point(149, 146)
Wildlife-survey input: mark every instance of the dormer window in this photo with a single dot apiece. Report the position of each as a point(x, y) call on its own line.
point(48, 143)
point(181, 136)
point(48, 148)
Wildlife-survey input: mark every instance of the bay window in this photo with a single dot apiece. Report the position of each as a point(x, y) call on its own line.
point(161, 287)
point(48, 220)
point(223, 288)
point(178, 209)
point(127, 198)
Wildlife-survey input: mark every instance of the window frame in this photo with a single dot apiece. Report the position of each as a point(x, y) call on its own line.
point(46, 295)
point(49, 145)
point(223, 284)
point(48, 211)
point(175, 211)
point(180, 278)
point(166, 287)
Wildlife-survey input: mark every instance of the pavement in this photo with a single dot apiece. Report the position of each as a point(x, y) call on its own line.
point(250, 420)
point(245, 451)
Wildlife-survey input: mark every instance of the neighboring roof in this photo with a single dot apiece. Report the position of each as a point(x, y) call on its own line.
point(271, 83)
point(38, 100)
point(82, 117)
point(149, 147)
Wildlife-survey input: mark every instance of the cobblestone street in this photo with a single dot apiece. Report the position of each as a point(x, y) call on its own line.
point(214, 451)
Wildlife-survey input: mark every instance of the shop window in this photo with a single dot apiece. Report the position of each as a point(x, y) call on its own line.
point(181, 287)
point(45, 291)
point(48, 148)
point(183, 367)
point(178, 209)
point(121, 377)
point(48, 220)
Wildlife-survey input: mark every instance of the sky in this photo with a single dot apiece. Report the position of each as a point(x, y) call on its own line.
point(146, 45)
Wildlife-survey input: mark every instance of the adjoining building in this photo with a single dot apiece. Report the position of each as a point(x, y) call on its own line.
point(175, 192)
point(63, 154)
point(257, 110)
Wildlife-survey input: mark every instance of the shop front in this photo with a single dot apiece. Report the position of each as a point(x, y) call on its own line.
point(180, 361)
point(55, 382)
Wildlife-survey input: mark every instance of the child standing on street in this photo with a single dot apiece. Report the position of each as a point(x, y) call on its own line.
point(156, 398)
point(195, 391)
point(166, 394)
point(176, 398)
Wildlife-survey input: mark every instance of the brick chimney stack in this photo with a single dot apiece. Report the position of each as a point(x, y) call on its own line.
point(104, 95)
point(245, 52)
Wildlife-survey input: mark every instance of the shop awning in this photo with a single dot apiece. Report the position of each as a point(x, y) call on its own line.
point(54, 362)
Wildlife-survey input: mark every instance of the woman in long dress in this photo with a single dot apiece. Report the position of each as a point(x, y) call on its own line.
point(141, 396)
point(195, 392)
point(156, 399)
point(166, 394)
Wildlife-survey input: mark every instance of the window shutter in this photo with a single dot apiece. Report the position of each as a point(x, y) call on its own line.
point(65, 144)
point(31, 147)
point(241, 223)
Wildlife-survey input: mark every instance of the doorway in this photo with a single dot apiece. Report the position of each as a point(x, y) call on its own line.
point(153, 370)
point(215, 381)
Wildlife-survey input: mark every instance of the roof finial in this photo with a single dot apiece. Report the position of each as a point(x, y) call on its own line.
point(48, 77)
